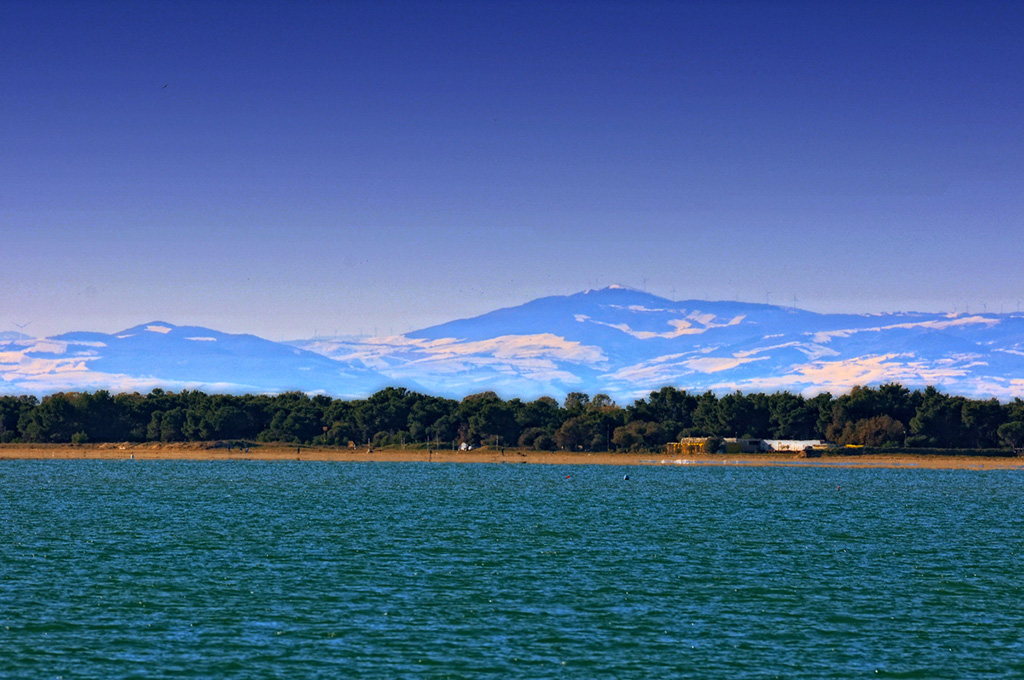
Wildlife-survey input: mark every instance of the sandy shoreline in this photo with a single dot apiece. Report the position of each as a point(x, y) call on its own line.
point(273, 452)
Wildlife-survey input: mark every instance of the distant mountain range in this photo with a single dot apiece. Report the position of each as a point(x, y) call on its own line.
point(173, 357)
point(616, 340)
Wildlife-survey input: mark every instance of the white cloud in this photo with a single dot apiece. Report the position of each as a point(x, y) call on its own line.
point(877, 369)
point(841, 376)
point(45, 375)
point(49, 347)
point(669, 367)
point(680, 327)
point(159, 329)
point(508, 347)
point(642, 309)
point(837, 376)
point(534, 357)
point(826, 336)
point(812, 351)
point(69, 348)
point(526, 347)
point(717, 364)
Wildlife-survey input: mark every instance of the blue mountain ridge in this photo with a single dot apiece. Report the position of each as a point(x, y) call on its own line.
point(161, 353)
point(648, 341)
point(616, 340)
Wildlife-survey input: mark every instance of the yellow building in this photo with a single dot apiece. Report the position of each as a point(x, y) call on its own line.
point(687, 446)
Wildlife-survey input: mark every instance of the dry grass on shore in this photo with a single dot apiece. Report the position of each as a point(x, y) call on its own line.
point(280, 452)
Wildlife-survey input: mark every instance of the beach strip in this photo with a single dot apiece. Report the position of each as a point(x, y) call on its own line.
point(281, 452)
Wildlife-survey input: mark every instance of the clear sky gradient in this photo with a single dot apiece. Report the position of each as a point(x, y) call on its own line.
point(288, 168)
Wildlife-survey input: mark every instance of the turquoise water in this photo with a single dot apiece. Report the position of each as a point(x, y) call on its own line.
point(133, 569)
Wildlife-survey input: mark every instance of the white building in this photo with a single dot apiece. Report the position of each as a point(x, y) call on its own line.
point(793, 444)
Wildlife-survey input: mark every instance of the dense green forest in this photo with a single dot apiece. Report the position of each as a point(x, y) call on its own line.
point(886, 416)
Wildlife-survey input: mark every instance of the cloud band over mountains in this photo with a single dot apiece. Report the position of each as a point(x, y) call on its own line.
point(618, 341)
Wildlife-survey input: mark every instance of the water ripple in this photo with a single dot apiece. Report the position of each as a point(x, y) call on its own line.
point(253, 570)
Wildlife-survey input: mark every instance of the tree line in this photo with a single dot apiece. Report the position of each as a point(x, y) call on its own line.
point(886, 416)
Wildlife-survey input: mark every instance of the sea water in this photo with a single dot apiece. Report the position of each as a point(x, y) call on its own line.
point(131, 569)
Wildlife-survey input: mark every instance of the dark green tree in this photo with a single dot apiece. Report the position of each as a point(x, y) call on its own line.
point(981, 422)
point(494, 423)
point(791, 417)
point(705, 417)
point(671, 407)
point(12, 410)
point(54, 420)
point(640, 435)
point(543, 413)
point(573, 434)
point(575, 403)
point(1012, 433)
point(938, 421)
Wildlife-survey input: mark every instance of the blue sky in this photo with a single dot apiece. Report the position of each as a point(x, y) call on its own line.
point(288, 169)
